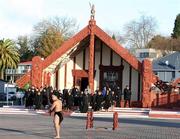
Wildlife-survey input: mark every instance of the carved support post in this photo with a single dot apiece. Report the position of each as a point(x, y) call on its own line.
point(89, 121)
point(147, 79)
point(115, 120)
point(37, 71)
point(92, 24)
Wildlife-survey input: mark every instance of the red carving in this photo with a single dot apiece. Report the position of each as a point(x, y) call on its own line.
point(37, 69)
point(45, 78)
point(48, 79)
point(175, 83)
point(115, 120)
point(89, 121)
point(92, 24)
point(80, 73)
point(21, 82)
point(66, 46)
point(147, 75)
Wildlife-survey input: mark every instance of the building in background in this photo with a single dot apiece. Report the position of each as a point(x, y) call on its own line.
point(149, 53)
point(13, 74)
point(167, 68)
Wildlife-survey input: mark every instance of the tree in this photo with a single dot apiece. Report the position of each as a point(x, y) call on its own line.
point(49, 42)
point(165, 44)
point(24, 48)
point(116, 36)
point(9, 56)
point(140, 32)
point(176, 30)
point(50, 34)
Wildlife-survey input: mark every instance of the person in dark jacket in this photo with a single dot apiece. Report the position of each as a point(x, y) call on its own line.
point(127, 96)
point(84, 103)
point(70, 100)
point(107, 100)
point(38, 99)
point(48, 91)
point(113, 99)
point(65, 95)
point(93, 99)
point(26, 96)
point(44, 98)
point(99, 100)
point(31, 98)
point(118, 95)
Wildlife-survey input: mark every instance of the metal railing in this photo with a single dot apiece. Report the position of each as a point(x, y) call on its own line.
point(7, 103)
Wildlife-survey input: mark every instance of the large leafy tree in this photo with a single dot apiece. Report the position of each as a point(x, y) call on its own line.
point(9, 55)
point(176, 30)
point(50, 34)
point(24, 48)
point(49, 42)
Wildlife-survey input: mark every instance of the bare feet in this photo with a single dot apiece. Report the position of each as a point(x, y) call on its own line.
point(57, 137)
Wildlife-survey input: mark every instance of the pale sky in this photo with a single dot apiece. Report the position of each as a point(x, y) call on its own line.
point(17, 17)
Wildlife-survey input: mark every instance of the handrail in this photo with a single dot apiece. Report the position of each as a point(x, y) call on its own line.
point(12, 103)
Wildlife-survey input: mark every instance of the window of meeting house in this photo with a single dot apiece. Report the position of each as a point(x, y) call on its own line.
point(144, 55)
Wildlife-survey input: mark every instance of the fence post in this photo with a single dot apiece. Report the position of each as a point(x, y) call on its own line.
point(115, 120)
point(89, 121)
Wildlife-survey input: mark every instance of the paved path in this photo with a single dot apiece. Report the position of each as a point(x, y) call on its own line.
point(41, 127)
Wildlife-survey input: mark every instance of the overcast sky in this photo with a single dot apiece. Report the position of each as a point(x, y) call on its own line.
point(17, 17)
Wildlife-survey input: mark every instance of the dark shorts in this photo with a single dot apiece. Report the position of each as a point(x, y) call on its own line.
point(60, 116)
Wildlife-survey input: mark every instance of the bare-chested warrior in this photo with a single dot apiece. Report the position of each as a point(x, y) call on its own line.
point(58, 116)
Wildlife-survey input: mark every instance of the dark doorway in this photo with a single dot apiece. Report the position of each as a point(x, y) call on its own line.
point(84, 83)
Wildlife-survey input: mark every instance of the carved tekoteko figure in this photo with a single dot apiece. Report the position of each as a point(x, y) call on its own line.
point(92, 10)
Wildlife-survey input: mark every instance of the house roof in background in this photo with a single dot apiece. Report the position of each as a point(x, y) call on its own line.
point(25, 63)
point(169, 62)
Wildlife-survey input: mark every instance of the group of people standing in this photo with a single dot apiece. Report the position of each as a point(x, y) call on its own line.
point(75, 99)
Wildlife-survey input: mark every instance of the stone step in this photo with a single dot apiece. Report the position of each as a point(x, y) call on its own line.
point(16, 110)
point(110, 115)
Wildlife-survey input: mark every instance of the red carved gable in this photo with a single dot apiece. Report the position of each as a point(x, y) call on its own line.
point(69, 44)
point(121, 51)
point(66, 46)
point(21, 82)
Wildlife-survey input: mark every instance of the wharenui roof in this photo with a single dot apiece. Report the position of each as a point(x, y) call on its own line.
point(76, 43)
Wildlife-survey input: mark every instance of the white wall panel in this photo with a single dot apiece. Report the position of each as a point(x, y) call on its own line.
point(87, 58)
point(53, 80)
point(69, 77)
point(61, 78)
point(79, 60)
point(125, 75)
point(134, 85)
point(116, 59)
point(97, 62)
point(106, 55)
